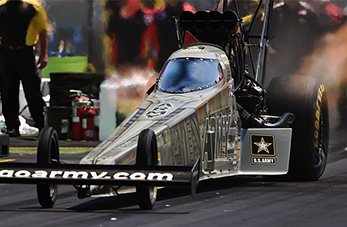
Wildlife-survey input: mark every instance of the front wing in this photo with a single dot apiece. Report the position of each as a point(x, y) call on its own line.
point(120, 175)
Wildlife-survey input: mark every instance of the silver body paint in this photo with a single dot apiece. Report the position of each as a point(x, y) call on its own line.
point(196, 125)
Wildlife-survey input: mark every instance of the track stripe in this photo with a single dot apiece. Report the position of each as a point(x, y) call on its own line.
point(63, 150)
point(7, 160)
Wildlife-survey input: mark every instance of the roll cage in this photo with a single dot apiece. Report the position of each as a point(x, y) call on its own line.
point(228, 31)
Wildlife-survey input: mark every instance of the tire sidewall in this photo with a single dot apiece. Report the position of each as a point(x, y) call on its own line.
point(146, 155)
point(306, 98)
point(47, 150)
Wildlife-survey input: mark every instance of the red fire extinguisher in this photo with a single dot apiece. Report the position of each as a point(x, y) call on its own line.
point(89, 131)
point(78, 104)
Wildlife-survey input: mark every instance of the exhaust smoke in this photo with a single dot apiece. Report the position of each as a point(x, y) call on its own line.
point(329, 63)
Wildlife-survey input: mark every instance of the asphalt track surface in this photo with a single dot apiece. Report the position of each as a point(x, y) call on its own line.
point(246, 201)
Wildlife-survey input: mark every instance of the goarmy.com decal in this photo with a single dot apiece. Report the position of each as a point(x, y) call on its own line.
point(54, 174)
point(263, 149)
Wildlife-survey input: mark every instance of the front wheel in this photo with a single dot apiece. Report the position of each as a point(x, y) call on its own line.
point(47, 153)
point(146, 155)
point(306, 98)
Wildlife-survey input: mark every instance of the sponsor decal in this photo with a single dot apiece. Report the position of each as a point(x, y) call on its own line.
point(159, 110)
point(238, 156)
point(263, 161)
point(263, 149)
point(231, 90)
point(92, 175)
point(317, 121)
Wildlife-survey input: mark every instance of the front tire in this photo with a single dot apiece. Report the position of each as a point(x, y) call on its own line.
point(306, 98)
point(47, 153)
point(146, 155)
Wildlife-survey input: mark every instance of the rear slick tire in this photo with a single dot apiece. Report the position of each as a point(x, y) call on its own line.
point(146, 155)
point(306, 98)
point(47, 153)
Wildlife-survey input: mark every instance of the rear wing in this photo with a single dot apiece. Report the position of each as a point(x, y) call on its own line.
point(120, 175)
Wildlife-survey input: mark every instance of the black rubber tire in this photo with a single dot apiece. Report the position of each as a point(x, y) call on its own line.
point(306, 98)
point(146, 155)
point(47, 153)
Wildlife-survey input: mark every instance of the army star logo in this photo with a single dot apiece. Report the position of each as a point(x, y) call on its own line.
point(263, 149)
point(262, 146)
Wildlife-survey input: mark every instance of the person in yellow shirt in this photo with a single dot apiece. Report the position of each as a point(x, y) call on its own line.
point(23, 23)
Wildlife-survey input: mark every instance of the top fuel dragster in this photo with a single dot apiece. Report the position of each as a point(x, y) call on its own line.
point(205, 118)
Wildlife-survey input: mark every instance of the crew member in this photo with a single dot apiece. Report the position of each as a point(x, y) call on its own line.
point(23, 23)
point(161, 33)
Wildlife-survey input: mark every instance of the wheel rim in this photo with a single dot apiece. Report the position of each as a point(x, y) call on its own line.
point(151, 162)
point(52, 190)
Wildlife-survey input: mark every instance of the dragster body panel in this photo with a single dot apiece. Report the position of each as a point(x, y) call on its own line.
point(199, 125)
